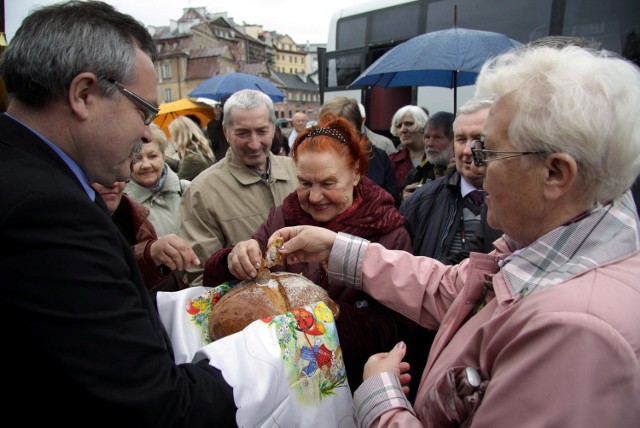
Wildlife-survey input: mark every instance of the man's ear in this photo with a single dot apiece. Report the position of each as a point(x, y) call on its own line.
point(561, 175)
point(83, 93)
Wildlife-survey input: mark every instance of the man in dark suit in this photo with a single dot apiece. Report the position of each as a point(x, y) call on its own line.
point(81, 333)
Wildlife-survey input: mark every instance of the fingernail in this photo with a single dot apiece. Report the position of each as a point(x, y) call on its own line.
point(252, 275)
point(401, 345)
point(257, 266)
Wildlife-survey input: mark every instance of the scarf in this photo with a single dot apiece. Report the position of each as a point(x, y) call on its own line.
point(606, 234)
point(372, 214)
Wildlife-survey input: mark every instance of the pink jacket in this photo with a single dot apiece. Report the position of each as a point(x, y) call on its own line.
point(566, 356)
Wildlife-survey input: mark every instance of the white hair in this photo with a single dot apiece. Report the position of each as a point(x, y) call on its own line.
point(578, 101)
point(420, 118)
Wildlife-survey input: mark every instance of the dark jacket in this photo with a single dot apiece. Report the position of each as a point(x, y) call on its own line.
point(423, 173)
point(381, 172)
point(433, 214)
point(365, 326)
point(82, 328)
point(192, 164)
point(217, 140)
point(132, 219)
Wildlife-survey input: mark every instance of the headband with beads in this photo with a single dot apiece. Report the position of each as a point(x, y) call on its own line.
point(329, 132)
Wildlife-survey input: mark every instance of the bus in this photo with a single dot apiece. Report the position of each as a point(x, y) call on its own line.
point(359, 35)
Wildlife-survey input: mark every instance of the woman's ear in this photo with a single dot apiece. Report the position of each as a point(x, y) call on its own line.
point(561, 175)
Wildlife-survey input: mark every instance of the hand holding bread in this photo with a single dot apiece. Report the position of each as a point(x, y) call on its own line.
point(246, 262)
point(304, 243)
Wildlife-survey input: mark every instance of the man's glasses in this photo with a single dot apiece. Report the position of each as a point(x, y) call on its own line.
point(481, 156)
point(150, 111)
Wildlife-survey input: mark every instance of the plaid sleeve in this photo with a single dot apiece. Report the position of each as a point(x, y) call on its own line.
point(345, 261)
point(377, 395)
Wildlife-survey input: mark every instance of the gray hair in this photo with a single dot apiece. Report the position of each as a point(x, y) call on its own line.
point(247, 99)
point(56, 43)
point(578, 101)
point(472, 106)
point(346, 107)
point(419, 117)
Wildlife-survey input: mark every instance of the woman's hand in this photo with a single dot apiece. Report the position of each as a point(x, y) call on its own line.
point(305, 243)
point(390, 362)
point(173, 252)
point(244, 260)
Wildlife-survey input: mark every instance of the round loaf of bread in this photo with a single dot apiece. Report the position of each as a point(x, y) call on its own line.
point(249, 301)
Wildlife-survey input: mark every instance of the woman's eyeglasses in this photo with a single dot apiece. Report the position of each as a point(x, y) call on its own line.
point(481, 156)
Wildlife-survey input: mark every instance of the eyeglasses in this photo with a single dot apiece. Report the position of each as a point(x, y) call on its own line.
point(150, 111)
point(482, 156)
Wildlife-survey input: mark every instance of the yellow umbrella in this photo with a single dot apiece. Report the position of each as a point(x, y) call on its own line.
point(183, 107)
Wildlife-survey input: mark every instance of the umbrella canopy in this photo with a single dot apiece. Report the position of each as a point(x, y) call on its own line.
point(183, 107)
point(224, 85)
point(447, 58)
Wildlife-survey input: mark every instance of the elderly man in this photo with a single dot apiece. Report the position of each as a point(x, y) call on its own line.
point(299, 122)
point(228, 201)
point(543, 331)
point(81, 330)
point(438, 148)
point(443, 215)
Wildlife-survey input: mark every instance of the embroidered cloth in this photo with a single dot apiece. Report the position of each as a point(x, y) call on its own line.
point(285, 370)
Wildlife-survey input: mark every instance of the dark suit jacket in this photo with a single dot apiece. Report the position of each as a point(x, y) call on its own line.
point(81, 333)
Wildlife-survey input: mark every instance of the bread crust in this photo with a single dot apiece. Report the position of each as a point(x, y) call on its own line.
point(250, 301)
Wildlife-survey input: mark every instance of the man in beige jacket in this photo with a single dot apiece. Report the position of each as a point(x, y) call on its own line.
point(227, 202)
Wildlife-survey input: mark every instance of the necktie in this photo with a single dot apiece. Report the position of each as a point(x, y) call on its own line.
point(477, 197)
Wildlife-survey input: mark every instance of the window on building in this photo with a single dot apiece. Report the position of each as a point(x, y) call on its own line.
point(167, 95)
point(166, 70)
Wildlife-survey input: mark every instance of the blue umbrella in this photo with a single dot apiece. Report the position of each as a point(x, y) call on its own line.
point(224, 85)
point(446, 58)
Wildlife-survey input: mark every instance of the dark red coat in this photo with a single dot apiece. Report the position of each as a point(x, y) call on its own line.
point(365, 327)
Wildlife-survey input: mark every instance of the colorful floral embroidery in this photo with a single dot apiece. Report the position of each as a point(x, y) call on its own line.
point(308, 342)
point(310, 351)
point(199, 309)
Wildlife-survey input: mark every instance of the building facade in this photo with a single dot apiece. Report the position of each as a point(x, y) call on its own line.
point(199, 45)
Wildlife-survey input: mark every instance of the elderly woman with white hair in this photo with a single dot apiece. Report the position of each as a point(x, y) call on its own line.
point(543, 331)
point(408, 124)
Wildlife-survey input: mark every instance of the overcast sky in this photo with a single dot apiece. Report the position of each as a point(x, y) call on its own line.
point(303, 20)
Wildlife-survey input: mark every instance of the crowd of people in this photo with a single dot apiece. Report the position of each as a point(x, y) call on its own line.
point(485, 261)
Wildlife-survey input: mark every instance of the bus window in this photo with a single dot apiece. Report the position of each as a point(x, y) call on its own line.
point(609, 23)
point(398, 23)
point(343, 70)
point(351, 33)
point(520, 20)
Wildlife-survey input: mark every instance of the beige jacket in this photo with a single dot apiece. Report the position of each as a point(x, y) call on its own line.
point(227, 202)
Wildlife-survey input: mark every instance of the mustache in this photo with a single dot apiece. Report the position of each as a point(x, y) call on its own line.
point(137, 149)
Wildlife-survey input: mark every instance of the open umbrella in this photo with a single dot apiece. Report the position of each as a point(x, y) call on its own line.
point(447, 58)
point(224, 85)
point(183, 107)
